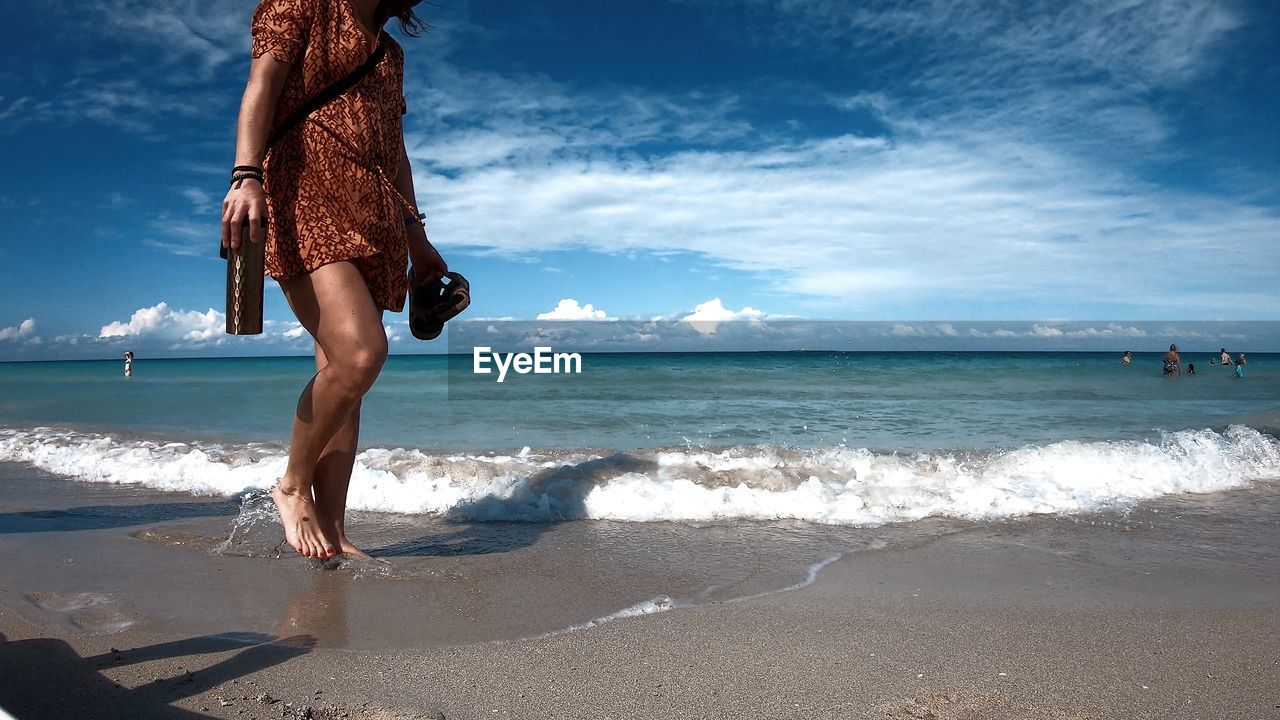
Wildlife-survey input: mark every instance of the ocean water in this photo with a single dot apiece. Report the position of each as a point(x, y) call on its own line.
point(855, 439)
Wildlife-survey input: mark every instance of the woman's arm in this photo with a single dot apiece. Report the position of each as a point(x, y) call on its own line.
point(404, 175)
point(427, 263)
point(257, 108)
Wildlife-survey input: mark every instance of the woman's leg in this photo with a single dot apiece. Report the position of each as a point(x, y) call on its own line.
point(334, 305)
point(333, 476)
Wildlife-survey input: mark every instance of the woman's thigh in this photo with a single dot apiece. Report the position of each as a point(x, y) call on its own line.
point(334, 305)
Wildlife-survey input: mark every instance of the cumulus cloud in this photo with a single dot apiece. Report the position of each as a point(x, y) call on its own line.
point(1111, 330)
point(161, 321)
point(1049, 331)
point(1045, 331)
point(707, 316)
point(569, 309)
point(21, 330)
point(904, 330)
point(714, 310)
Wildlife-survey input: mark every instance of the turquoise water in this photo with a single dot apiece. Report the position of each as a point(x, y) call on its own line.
point(882, 401)
point(857, 439)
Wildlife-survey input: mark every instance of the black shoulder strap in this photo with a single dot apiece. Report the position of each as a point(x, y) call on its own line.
point(324, 97)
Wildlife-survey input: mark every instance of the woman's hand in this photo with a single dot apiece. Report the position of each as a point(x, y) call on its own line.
point(246, 203)
point(428, 266)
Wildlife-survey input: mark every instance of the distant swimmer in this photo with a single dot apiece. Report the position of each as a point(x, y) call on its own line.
point(128, 363)
point(1213, 361)
point(1240, 363)
point(1191, 368)
point(1128, 358)
point(1172, 363)
point(1226, 357)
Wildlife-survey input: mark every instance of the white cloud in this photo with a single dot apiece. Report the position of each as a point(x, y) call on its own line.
point(185, 237)
point(714, 310)
point(1112, 330)
point(209, 31)
point(934, 217)
point(976, 188)
point(1037, 330)
point(175, 68)
point(202, 202)
point(707, 316)
point(161, 328)
point(21, 330)
point(1045, 331)
point(569, 309)
point(920, 331)
point(1010, 180)
point(161, 321)
point(1142, 43)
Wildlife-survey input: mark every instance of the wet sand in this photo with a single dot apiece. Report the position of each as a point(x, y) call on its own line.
point(121, 602)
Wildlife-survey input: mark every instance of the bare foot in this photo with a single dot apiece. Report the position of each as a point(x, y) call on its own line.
point(298, 516)
point(346, 548)
point(336, 533)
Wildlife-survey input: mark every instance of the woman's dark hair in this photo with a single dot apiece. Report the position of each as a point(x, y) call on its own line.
point(402, 10)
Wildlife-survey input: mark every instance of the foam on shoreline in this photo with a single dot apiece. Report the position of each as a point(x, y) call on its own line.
point(832, 485)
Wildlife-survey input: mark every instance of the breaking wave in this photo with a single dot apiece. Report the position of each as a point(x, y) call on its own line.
point(833, 485)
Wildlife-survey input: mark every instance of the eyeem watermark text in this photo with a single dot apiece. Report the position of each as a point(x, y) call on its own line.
point(542, 361)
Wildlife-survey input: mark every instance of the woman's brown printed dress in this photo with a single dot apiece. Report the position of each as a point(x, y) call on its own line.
point(329, 180)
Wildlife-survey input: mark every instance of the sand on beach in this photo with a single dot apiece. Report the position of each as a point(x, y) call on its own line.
point(114, 605)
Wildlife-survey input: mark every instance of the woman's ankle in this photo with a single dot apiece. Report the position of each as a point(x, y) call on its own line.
point(289, 486)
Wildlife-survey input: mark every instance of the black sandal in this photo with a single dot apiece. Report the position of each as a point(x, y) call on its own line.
point(435, 303)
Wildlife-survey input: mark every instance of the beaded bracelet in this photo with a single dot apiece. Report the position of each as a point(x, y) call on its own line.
point(240, 173)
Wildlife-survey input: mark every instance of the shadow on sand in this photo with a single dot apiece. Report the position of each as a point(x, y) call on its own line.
point(99, 517)
point(46, 678)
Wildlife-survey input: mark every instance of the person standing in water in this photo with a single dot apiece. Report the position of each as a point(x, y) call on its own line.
point(128, 363)
point(1172, 363)
point(333, 201)
point(1226, 357)
point(1127, 358)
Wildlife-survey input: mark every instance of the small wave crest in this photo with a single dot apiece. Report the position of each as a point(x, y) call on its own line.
point(834, 485)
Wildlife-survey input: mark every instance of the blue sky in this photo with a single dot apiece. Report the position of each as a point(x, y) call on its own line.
point(941, 161)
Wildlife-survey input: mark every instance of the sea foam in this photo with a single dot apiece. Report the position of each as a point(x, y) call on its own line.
point(833, 485)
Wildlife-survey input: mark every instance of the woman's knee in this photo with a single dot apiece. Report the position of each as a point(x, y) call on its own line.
point(364, 359)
